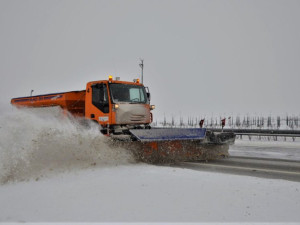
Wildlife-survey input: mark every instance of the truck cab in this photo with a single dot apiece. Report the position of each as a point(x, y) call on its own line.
point(118, 105)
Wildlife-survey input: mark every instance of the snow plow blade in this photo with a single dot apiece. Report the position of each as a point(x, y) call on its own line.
point(171, 145)
point(169, 134)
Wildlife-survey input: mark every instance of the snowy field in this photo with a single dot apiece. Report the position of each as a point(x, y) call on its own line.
point(52, 170)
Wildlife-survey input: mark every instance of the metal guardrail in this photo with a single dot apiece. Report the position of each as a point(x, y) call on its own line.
point(259, 132)
point(255, 132)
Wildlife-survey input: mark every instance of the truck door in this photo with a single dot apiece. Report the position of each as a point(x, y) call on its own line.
point(101, 101)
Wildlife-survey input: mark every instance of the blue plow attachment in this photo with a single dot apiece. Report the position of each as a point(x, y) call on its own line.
point(169, 134)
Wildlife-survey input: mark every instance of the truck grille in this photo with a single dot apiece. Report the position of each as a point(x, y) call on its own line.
point(132, 114)
point(137, 118)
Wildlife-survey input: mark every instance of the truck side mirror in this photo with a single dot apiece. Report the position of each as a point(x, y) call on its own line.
point(148, 96)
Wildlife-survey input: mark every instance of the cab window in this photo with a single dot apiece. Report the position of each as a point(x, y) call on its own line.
point(100, 97)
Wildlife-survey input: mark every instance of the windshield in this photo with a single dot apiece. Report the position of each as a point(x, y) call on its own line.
point(128, 93)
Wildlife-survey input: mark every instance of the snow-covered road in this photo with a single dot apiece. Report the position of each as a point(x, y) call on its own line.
point(146, 193)
point(280, 149)
point(248, 166)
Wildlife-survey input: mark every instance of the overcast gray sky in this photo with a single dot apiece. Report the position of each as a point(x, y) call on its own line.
point(201, 57)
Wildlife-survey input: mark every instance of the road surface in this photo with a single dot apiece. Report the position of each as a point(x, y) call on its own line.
point(268, 159)
point(257, 167)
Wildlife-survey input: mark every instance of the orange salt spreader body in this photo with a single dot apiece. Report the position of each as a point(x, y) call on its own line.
point(123, 111)
point(73, 101)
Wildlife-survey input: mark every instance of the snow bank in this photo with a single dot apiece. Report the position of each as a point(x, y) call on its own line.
point(35, 143)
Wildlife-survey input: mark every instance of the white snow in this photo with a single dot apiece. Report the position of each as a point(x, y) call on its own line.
point(48, 179)
point(288, 150)
point(146, 193)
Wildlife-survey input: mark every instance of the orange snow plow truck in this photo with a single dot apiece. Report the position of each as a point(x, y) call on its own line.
point(123, 111)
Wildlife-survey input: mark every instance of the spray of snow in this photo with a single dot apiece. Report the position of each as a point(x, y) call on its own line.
point(36, 143)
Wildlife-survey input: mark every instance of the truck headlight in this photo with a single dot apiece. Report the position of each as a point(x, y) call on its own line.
point(152, 107)
point(116, 106)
